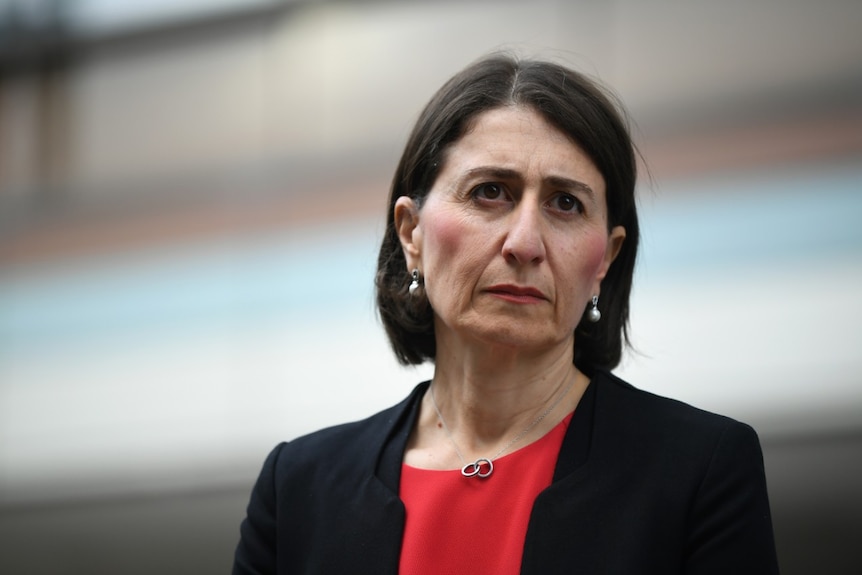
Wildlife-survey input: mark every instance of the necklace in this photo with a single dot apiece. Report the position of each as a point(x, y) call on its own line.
point(484, 466)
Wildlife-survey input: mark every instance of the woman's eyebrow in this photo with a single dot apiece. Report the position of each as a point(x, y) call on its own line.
point(570, 184)
point(495, 172)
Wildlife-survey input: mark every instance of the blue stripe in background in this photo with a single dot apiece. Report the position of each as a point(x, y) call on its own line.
point(756, 219)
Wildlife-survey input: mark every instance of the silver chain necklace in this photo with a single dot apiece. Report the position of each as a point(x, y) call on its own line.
point(484, 466)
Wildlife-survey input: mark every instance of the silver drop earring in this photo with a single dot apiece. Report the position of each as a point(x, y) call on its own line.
point(593, 314)
point(414, 285)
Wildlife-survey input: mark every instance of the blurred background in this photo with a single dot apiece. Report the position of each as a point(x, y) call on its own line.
point(191, 197)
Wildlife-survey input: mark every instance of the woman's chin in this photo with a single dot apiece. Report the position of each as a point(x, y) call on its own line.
point(516, 339)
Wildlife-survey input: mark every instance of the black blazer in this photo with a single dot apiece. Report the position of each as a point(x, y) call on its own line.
point(643, 485)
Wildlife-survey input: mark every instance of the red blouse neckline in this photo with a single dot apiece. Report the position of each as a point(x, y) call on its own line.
point(455, 522)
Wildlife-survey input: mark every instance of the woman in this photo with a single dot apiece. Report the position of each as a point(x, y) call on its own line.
point(507, 261)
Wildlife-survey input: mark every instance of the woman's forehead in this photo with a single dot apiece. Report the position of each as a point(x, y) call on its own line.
point(518, 140)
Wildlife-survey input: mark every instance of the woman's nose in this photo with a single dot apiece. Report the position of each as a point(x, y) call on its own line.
point(524, 242)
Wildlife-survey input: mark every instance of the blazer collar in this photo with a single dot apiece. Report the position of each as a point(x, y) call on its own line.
point(401, 422)
point(576, 443)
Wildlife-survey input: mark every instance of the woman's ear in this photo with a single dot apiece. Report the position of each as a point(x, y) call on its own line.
point(615, 243)
point(406, 218)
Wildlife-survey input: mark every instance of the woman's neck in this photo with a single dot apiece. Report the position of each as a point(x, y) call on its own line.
point(486, 397)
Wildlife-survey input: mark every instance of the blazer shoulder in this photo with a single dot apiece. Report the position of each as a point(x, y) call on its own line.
point(320, 483)
point(649, 405)
point(625, 409)
point(346, 443)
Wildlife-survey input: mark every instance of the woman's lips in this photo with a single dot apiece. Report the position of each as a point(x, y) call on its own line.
point(517, 294)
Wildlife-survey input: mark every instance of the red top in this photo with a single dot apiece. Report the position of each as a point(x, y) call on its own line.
point(458, 524)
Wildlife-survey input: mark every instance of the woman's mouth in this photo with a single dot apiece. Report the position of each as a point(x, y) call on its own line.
point(517, 294)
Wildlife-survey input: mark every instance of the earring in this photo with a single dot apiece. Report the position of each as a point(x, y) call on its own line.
point(593, 314)
point(414, 285)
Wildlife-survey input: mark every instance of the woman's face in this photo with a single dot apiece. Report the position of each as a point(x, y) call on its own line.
point(512, 239)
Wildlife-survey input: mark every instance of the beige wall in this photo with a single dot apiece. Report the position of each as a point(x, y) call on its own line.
point(325, 80)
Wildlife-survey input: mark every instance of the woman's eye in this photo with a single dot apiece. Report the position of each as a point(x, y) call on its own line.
point(567, 203)
point(488, 191)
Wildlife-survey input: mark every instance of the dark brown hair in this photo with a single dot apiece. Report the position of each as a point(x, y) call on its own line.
point(572, 103)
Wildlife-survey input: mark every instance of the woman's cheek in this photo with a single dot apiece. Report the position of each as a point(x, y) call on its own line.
point(444, 238)
point(589, 253)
